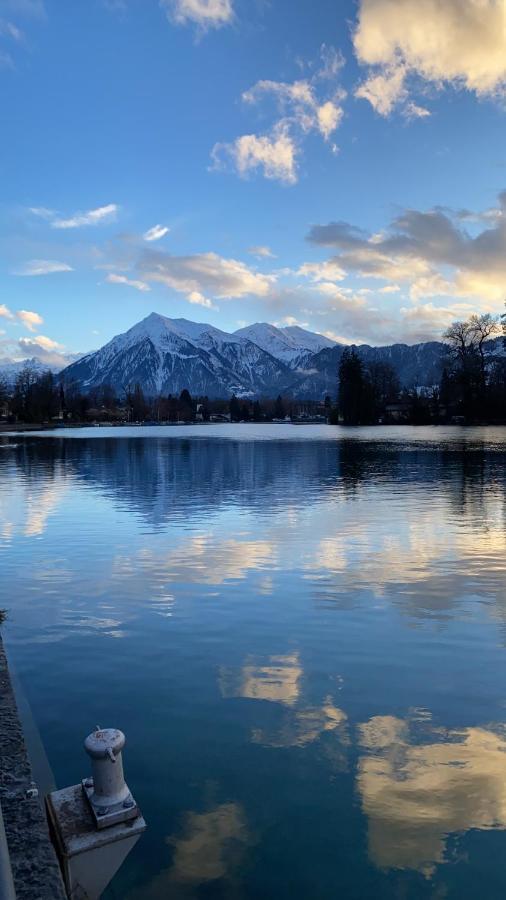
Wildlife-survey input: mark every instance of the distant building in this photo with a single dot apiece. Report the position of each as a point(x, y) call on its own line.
point(398, 411)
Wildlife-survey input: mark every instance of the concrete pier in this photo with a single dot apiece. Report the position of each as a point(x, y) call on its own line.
point(35, 869)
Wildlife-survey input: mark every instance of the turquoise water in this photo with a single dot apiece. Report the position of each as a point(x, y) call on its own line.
point(301, 629)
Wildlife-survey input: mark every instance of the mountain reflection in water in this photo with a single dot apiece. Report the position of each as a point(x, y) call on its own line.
point(303, 639)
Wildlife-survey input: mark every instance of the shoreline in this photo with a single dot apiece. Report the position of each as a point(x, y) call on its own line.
point(23, 428)
point(35, 868)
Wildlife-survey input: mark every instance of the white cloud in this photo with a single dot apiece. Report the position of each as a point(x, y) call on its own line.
point(389, 289)
point(296, 92)
point(97, 216)
point(275, 155)
point(299, 103)
point(9, 30)
point(204, 13)
point(415, 111)
point(290, 322)
point(155, 233)
point(430, 252)
point(324, 271)
point(338, 338)
point(5, 312)
point(329, 116)
point(40, 341)
point(197, 298)
point(457, 42)
point(112, 278)
point(352, 317)
point(301, 106)
point(262, 252)
point(331, 62)
point(29, 318)
point(428, 321)
point(42, 267)
point(204, 274)
point(42, 212)
point(384, 91)
point(43, 348)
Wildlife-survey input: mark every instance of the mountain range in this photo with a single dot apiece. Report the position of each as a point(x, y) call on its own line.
point(167, 355)
point(10, 368)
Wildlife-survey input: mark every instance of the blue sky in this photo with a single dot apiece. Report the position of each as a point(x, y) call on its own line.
point(335, 164)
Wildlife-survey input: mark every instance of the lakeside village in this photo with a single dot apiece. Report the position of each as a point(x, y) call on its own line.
point(471, 390)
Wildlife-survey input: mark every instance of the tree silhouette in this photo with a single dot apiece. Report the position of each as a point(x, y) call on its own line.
point(235, 409)
point(279, 408)
point(351, 387)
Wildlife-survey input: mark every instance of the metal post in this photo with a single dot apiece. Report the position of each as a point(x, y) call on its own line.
point(97, 822)
point(7, 891)
point(109, 796)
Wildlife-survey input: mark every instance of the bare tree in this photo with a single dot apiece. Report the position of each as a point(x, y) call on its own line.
point(459, 337)
point(482, 329)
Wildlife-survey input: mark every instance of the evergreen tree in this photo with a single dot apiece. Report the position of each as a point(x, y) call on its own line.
point(384, 387)
point(279, 408)
point(186, 408)
point(4, 392)
point(137, 403)
point(351, 387)
point(235, 409)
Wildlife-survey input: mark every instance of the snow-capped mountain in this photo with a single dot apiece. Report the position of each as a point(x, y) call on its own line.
point(291, 344)
point(167, 355)
point(10, 368)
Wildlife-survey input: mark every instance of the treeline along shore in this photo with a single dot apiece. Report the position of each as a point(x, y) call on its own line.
point(471, 390)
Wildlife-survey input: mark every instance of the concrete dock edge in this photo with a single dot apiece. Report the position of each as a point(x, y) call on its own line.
point(35, 868)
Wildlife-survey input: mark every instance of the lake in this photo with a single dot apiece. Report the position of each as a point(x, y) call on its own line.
point(302, 631)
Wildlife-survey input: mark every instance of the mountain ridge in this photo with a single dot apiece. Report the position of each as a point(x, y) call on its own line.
point(167, 355)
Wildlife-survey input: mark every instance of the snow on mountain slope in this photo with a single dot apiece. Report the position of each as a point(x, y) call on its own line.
point(10, 368)
point(166, 355)
point(309, 340)
point(291, 344)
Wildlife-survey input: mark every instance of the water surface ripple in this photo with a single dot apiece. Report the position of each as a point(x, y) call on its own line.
point(302, 632)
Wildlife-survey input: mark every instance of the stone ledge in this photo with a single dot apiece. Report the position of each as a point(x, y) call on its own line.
point(34, 864)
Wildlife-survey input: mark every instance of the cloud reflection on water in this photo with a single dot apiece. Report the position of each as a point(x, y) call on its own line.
point(417, 783)
point(416, 792)
point(257, 562)
point(276, 681)
point(209, 847)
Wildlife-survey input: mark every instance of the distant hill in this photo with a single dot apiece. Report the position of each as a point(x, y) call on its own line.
point(10, 368)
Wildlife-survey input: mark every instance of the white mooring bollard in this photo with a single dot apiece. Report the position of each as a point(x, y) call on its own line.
point(110, 799)
point(95, 824)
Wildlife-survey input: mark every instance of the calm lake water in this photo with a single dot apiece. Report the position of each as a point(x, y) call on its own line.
point(301, 629)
